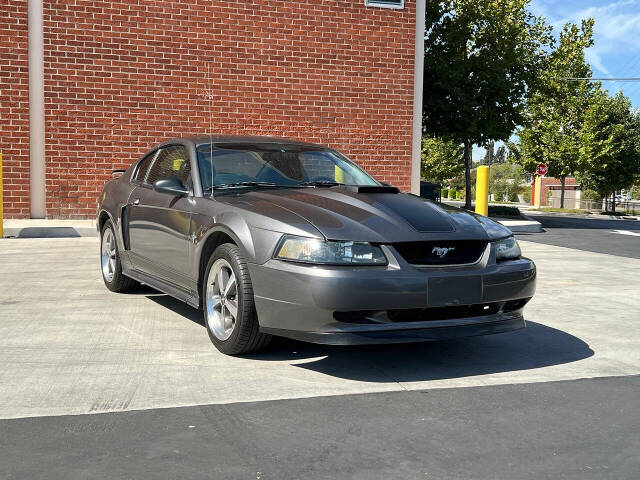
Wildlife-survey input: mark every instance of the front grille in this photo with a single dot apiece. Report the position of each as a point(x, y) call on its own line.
point(446, 252)
point(429, 314)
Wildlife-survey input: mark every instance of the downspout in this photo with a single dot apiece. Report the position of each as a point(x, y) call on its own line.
point(418, 77)
point(36, 111)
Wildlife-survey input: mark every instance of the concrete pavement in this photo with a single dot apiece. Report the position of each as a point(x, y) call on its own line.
point(69, 346)
point(529, 225)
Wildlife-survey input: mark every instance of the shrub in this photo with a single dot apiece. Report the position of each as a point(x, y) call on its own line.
point(444, 193)
point(452, 193)
point(526, 195)
point(503, 211)
point(589, 194)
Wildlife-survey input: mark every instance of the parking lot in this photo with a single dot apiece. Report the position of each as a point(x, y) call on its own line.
point(69, 347)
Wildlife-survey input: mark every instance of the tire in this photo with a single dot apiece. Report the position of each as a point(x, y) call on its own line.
point(231, 335)
point(110, 264)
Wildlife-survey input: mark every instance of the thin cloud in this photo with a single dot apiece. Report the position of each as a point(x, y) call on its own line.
point(617, 29)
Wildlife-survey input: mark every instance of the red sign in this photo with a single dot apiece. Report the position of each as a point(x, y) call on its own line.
point(542, 169)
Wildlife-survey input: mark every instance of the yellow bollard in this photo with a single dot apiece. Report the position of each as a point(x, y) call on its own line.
point(482, 191)
point(339, 174)
point(537, 191)
point(1, 199)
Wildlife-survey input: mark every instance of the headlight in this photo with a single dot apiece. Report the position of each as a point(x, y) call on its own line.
point(507, 248)
point(312, 250)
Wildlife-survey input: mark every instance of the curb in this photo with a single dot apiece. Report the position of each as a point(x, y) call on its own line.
point(529, 225)
point(45, 228)
point(49, 232)
point(592, 216)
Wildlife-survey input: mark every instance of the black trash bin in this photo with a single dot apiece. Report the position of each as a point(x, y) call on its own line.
point(429, 190)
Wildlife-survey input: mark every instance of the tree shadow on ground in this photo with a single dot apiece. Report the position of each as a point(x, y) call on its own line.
point(533, 347)
point(551, 222)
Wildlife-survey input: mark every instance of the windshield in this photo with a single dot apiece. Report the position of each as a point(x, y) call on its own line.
point(276, 165)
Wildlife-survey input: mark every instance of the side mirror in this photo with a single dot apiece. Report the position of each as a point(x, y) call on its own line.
point(386, 184)
point(171, 186)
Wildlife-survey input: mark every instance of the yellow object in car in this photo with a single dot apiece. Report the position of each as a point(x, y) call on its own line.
point(177, 164)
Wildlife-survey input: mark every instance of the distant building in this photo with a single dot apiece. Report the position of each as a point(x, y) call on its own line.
point(545, 192)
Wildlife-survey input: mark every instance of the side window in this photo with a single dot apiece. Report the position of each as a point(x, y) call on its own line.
point(143, 167)
point(171, 162)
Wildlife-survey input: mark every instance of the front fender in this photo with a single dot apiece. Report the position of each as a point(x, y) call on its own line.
point(112, 199)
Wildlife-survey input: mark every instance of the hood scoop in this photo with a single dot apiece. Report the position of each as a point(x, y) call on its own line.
point(371, 189)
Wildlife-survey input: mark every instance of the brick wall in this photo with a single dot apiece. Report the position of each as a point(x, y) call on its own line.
point(549, 183)
point(14, 107)
point(121, 76)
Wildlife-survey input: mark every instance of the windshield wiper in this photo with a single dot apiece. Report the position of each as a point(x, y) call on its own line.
point(223, 186)
point(319, 183)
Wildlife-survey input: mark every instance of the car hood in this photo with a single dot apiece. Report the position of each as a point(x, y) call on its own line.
point(343, 214)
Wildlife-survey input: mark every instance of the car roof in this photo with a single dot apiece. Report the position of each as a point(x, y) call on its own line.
point(241, 139)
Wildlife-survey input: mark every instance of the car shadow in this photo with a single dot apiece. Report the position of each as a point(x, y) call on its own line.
point(534, 347)
point(177, 306)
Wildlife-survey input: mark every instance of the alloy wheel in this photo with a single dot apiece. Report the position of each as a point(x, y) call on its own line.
point(108, 255)
point(221, 299)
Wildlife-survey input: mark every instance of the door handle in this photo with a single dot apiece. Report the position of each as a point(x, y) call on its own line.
point(136, 201)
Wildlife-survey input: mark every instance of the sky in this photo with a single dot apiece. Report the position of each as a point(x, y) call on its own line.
point(616, 52)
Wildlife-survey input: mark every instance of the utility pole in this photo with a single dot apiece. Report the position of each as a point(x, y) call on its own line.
point(37, 169)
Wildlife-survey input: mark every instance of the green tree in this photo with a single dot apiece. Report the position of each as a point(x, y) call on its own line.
point(501, 155)
point(481, 58)
point(506, 181)
point(441, 159)
point(611, 145)
point(493, 156)
point(557, 110)
point(489, 153)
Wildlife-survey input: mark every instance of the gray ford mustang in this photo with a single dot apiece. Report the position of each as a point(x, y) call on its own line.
point(275, 237)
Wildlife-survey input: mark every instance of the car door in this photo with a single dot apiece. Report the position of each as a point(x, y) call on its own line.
point(160, 223)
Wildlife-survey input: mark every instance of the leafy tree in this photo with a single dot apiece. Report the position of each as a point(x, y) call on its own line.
point(506, 181)
point(493, 156)
point(589, 194)
point(501, 155)
point(481, 58)
point(557, 109)
point(611, 145)
point(441, 159)
point(489, 153)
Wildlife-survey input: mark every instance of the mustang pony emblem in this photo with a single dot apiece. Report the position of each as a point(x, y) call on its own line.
point(442, 251)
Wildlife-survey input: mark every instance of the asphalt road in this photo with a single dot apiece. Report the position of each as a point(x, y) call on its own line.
point(595, 234)
point(585, 429)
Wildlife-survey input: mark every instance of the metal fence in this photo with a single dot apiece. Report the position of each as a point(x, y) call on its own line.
point(632, 207)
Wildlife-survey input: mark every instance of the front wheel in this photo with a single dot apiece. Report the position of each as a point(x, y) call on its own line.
point(229, 309)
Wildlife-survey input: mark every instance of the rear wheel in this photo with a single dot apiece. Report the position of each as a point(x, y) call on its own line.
point(110, 264)
point(229, 309)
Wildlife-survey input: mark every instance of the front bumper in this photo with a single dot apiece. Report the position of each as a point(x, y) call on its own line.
point(318, 303)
